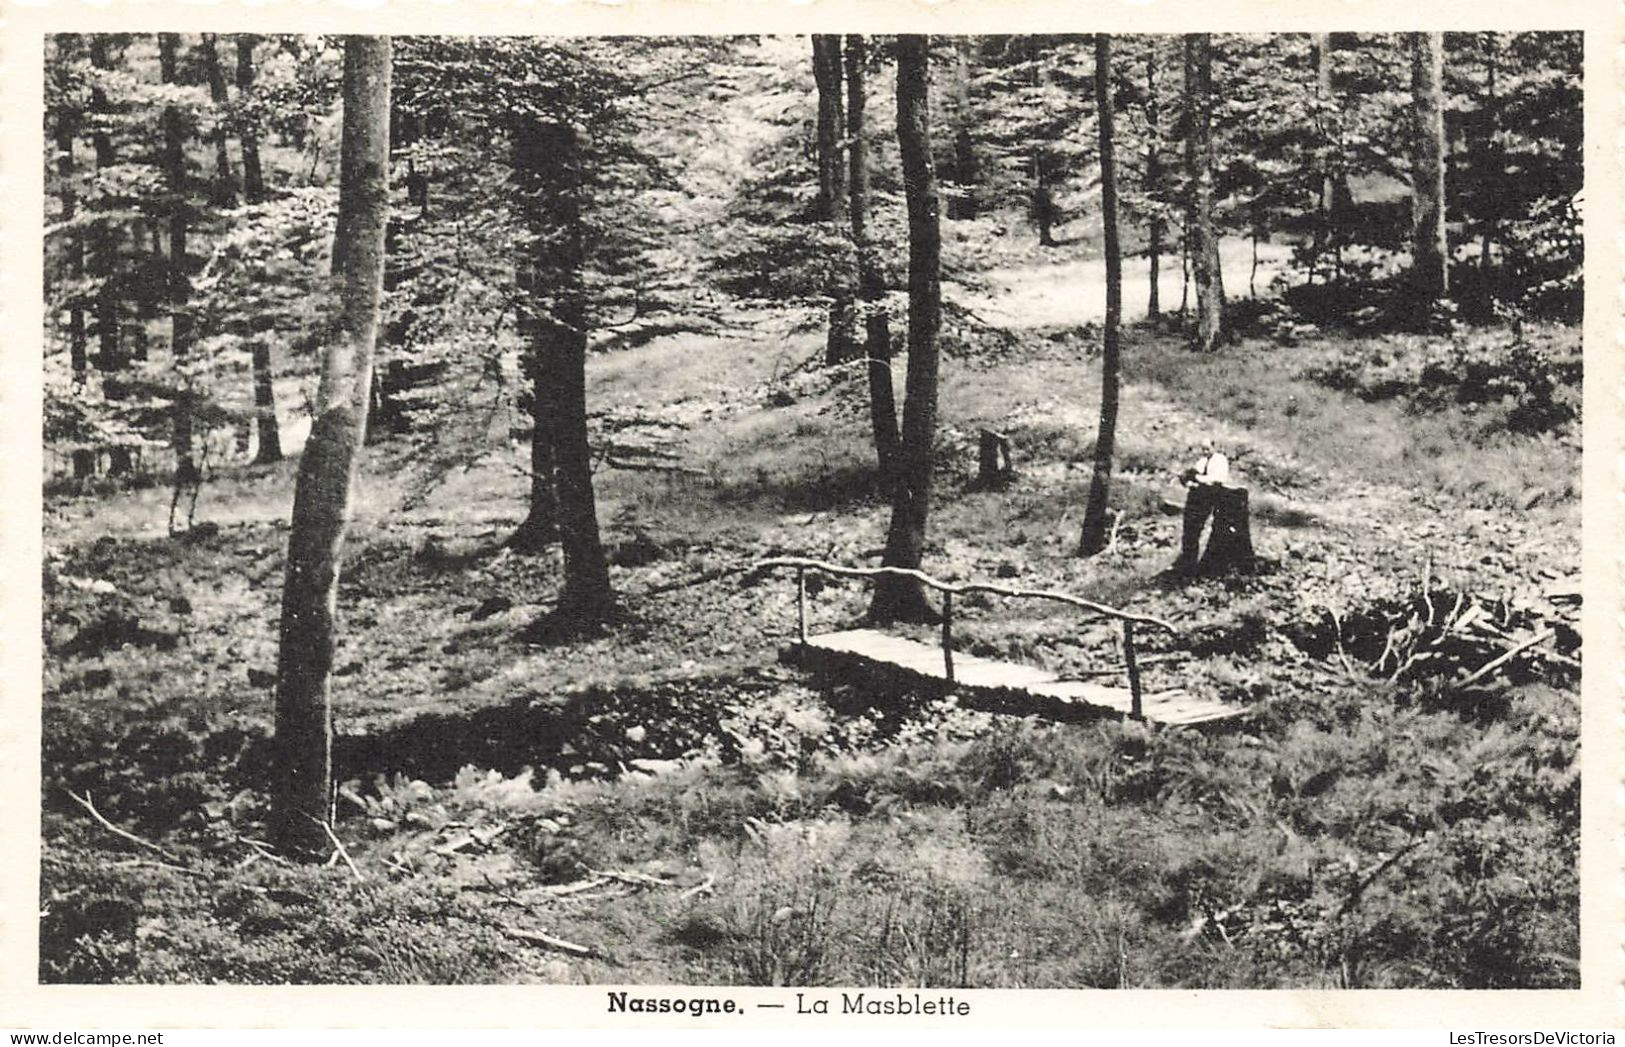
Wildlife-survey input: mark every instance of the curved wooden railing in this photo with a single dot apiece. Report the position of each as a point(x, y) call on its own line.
point(802, 564)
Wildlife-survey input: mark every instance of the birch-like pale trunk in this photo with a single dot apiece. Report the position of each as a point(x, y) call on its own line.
point(321, 501)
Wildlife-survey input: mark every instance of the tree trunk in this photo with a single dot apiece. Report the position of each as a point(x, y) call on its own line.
point(248, 133)
point(1185, 266)
point(1492, 157)
point(533, 161)
point(178, 282)
point(1153, 182)
point(265, 420)
point(587, 598)
point(832, 189)
point(553, 185)
point(871, 289)
point(1199, 168)
point(1094, 514)
point(1043, 201)
point(966, 170)
point(321, 502)
point(225, 183)
point(110, 357)
point(831, 128)
point(902, 598)
point(1255, 233)
point(1430, 277)
point(540, 527)
point(1324, 228)
point(65, 130)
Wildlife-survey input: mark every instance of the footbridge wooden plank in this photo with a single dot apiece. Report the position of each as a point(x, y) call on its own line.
point(1014, 688)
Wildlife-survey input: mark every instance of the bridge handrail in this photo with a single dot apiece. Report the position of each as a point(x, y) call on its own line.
point(809, 564)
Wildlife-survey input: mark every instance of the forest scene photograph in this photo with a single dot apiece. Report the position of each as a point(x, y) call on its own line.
point(898, 511)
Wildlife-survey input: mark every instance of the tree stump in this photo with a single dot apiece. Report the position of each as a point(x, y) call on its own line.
point(993, 464)
point(1230, 543)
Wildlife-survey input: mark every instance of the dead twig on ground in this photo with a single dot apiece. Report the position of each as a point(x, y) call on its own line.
point(700, 579)
point(147, 863)
point(1369, 878)
point(85, 802)
point(1496, 663)
point(548, 941)
point(562, 890)
point(637, 878)
point(263, 849)
point(339, 849)
point(1342, 655)
point(705, 886)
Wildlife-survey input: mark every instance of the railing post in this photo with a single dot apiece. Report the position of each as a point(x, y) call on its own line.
point(1136, 710)
point(801, 604)
point(948, 635)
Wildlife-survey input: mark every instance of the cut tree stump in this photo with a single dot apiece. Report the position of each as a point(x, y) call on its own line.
point(993, 463)
point(1230, 543)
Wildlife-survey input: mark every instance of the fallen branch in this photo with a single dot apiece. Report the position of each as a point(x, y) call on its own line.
point(84, 801)
point(564, 889)
point(1342, 655)
point(700, 579)
point(1117, 522)
point(641, 879)
point(1496, 663)
point(651, 467)
point(338, 847)
point(546, 940)
point(703, 887)
point(264, 850)
point(1369, 878)
point(148, 863)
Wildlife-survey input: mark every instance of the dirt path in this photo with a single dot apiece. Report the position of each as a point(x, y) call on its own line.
point(1074, 293)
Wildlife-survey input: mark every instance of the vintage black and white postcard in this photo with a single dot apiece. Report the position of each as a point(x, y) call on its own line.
point(672, 514)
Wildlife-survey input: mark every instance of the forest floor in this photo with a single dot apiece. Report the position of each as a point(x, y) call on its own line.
point(664, 803)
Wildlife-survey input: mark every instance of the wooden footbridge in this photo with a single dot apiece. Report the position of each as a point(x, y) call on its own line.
point(1004, 686)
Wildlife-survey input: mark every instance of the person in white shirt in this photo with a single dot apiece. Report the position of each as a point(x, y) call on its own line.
point(1211, 470)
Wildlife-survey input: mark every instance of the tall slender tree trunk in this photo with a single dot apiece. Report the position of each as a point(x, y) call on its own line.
point(832, 176)
point(540, 527)
point(265, 420)
point(266, 425)
point(587, 598)
point(65, 129)
point(248, 133)
point(967, 173)
point(225, 183)
point(1185, 266)
point(1430, 254)
point(321, 501)
point(1204, 247)
point(902, 598)
point(871, 289)
point(110, 358)
point(1043, 200)
point(181, 335)
point(831, 201)
point(1094, 514)
point(533, 160)
point(1153, 182)
point(1492, 155)
point(553, 184)
point(1324, 221)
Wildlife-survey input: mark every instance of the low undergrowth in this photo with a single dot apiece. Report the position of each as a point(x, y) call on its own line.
point(661, 805)
point(801, 845)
